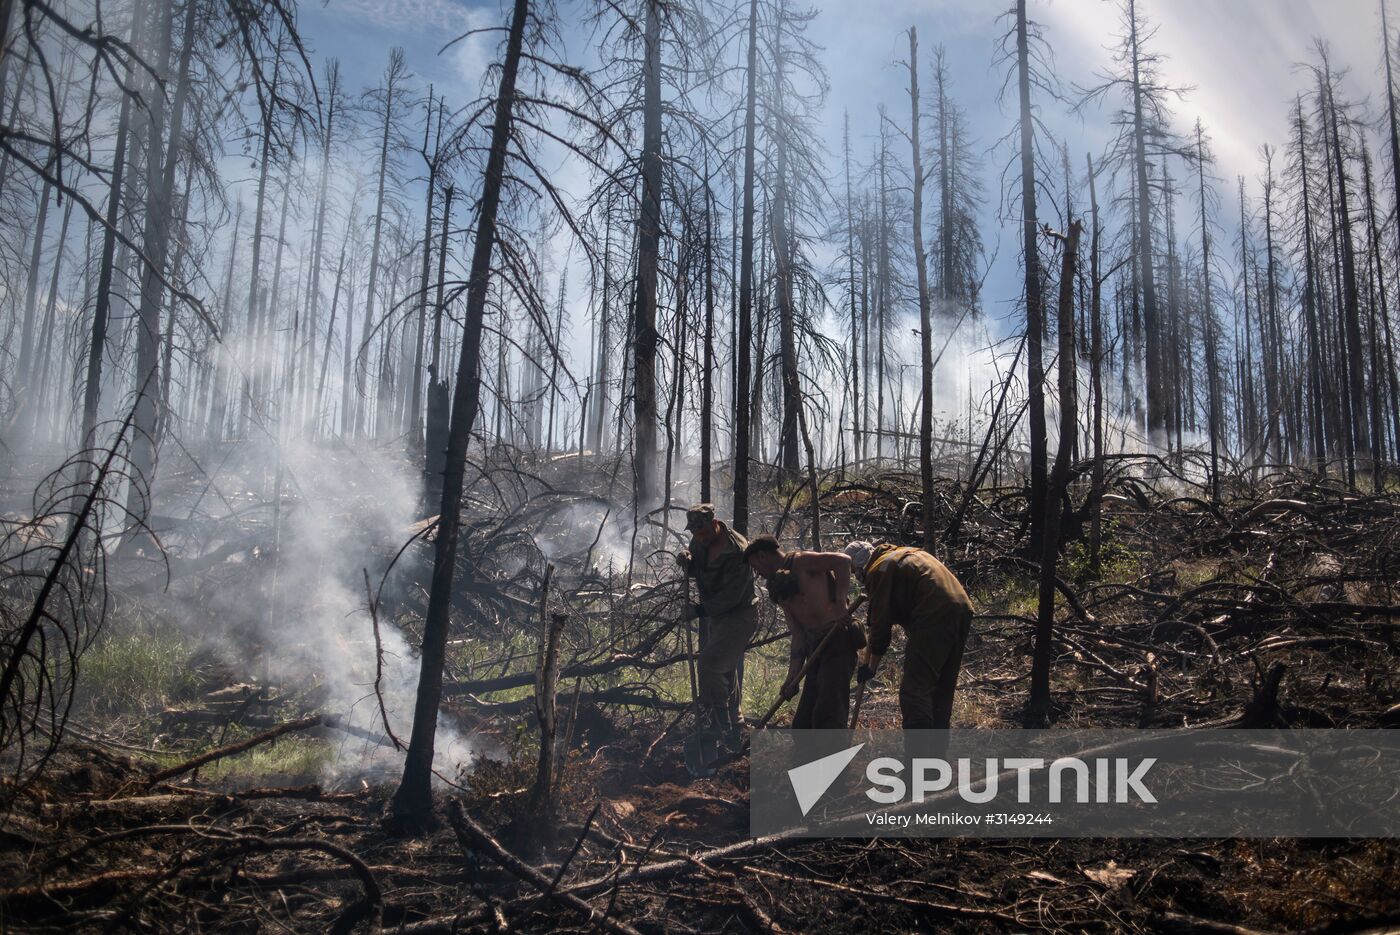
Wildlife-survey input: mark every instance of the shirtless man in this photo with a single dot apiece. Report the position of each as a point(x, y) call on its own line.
point(811, 587)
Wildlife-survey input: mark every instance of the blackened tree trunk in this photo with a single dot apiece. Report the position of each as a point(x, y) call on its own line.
point(925, 312)
point(223, 358)
point(1381, 386)
point(644, 337)
point(855, 316)
point(1249, 424)
point(1038, 708)
point(1269, 329)
point(412, 802)
point(415, 389)
point(600, 404)
point(435, 430)
point(319, 401)
point(1212, 365)
point(251, 365)
point(29, 324)
point(743, 375)
point(783, 278)
point(882, 297)
point(1355, 362)
point(319, 236)
point(1157, 393)
point(1030, 259)
point(1394, 135)
point(393, 75)
point(1096, 479)
point(707, 385)
point(156, 242)
point(39, 379)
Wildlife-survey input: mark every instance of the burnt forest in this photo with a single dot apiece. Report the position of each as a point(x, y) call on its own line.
point(396, 394)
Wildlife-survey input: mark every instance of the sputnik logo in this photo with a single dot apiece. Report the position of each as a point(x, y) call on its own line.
point(811, 780)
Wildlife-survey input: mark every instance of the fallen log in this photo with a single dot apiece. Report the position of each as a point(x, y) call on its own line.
point(471, 836)
point(234, 748)
point(138, 806)
point(635, 660)
point(928, 905)
point(621, 695)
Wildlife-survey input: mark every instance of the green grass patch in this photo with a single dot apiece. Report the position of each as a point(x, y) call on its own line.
point(135, 668)
point(1117, 561)
point(285, 756)
point(291, 755)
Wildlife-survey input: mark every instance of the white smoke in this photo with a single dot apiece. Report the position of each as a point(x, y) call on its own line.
point(345, 512)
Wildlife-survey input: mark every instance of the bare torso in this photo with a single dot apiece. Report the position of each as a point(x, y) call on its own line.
point(821, 600)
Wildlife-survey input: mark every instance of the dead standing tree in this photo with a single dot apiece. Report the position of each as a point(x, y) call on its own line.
point(797, 85)
point(1144, 134)
point(510, 168)
point(1038, 707)
point(743, 352)
point(1021, 46)
point(412, 802)
point(925, 313)
point(644, 334)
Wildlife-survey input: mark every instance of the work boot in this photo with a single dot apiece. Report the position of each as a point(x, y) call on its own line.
point(713, 721)
point(734, 737)
point(717, 724)
point(702, 748)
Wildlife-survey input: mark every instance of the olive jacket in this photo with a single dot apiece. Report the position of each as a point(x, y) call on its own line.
point(724, 581)
point(908, 586)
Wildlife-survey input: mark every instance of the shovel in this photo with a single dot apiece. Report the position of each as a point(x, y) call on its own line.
point(707, 767)
point(701, 752)
point(860, 697)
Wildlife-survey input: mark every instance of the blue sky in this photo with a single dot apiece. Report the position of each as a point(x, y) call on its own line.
point(1239, 58)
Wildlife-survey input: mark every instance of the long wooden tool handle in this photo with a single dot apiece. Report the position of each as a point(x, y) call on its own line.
point(855, 714)
point(811, 658)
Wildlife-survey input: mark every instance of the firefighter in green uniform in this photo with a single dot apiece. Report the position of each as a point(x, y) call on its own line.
point(909, 587)
point(724, 583)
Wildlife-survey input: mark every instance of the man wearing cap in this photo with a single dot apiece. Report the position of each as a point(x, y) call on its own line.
point(910, 587)
point(724, 583)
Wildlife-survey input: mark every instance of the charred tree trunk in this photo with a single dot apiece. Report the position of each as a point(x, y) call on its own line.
point(882, 298)
point(412, 802)
point(97, 345)
point(783, 279)
point(707, 385)
point(855, 316)
point(743, 369)
point(415, 389)
point(1212, 365)
point(391, 78)
point(1096, 479)
point(1157, 408)
point(1035, 323)
point(1038, 708)
point(1379, 391)
point(435, 430)
point(251, 365)
point(1356, 367)
point(159, 219)
point(925, 312)
point(644, 337)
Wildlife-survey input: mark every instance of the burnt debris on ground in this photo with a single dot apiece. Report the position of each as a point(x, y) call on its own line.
point(252, 795)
